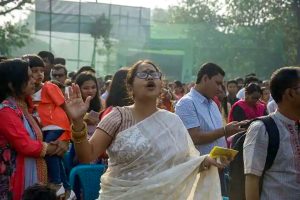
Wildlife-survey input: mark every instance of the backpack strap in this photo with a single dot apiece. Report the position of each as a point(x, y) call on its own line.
point(273, 145)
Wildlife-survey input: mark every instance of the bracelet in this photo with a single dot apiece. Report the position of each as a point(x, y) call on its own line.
point(79, 136)
point(225, 132)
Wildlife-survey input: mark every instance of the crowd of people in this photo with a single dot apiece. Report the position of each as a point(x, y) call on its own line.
point(155, 135)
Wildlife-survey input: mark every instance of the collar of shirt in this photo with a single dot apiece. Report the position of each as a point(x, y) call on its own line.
point(285, 119)
point(200, 97)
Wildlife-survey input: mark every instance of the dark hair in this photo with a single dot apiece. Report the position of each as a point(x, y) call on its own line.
point(60, 66)
point(95, 103)
point(232, 82)
point(71, 74)
point(249, 75)
point(38, 192)
point(178, 84)
point(133, 69)
point(108, 77)
point(15, 72)
point(48, 55)
point(34, 60)
point(209, 69)
point(118, 94)
point(86, 68)
point(253, 87)
point(251, 79)
point(239, 79)
point(282, 79)
point(58, 60)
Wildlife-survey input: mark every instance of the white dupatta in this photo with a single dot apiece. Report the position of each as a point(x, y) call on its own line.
point(156, 159)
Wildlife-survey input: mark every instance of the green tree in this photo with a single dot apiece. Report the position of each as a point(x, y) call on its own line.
point(271, 16)
point(100, 30)
point(12, 36)
point(242, 36)
point(7, 6)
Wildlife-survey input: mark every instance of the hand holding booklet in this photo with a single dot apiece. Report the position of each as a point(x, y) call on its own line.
point(219, 152)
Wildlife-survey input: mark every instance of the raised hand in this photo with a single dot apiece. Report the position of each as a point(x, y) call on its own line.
point(75, 106)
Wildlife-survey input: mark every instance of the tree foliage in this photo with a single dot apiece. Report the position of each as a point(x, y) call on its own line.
point(242, 36)
point(272, 16)
point(7, 6)
point(12, 36)
point(101, 30)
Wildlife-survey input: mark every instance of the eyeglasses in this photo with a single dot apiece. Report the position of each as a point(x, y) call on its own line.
point(144, 75)
point(58, 75)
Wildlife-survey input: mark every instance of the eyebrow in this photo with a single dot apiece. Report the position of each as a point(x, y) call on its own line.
point(148, 71)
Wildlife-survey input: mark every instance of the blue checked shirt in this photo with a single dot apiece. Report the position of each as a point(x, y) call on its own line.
point(195, 110)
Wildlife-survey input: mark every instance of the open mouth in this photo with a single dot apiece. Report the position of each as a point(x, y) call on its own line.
point(150, 85)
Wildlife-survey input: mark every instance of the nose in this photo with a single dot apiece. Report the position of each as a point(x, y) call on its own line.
point(149, 77)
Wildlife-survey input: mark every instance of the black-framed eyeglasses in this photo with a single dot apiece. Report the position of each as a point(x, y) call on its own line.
point(146, 74)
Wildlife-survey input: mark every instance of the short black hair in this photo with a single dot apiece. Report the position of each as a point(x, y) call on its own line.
point(39, 192)
point(108, 77)
point(251, 74)
point(34, 60)
point(178, 84)
point(71, 74)
point(59, 60)
point(209, 69)
point(253, 87)
point(282, 79)
point(232, 81)
point(60, 66)
point(15, 72)
point(48, 55)
point(86, 68)
point(251, 79)
point(239, 79)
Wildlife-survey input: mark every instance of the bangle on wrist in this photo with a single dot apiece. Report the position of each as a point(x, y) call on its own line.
point(79, 136)
point(225, 132)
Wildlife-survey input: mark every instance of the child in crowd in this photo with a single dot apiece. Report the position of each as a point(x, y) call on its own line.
point(49, 103)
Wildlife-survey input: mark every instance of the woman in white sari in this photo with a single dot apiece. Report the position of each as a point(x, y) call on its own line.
point(151, 155)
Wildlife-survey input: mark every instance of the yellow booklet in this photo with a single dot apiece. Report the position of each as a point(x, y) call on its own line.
point(222, 152)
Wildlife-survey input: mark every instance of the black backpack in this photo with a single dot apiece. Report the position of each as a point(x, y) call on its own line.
point(236, 180)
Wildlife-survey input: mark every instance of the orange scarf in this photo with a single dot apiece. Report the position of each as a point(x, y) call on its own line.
point(40, 162)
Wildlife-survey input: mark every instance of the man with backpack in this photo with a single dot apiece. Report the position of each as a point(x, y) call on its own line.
point(271, 163)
